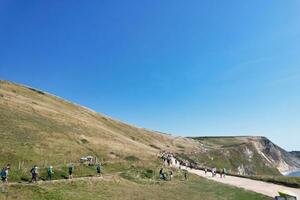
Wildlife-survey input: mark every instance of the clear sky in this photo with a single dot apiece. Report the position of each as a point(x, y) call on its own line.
point(190, 68)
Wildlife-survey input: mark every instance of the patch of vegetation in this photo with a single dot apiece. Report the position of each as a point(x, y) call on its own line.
point(154, 146)
point(84, 141)
point(132, 158)
point(37, 91)
point(180, 146)
point(133, 138)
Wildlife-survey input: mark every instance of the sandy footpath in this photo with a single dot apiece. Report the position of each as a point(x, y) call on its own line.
point(268, 189)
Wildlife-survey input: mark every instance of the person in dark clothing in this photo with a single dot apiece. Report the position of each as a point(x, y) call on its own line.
point(34, 174)
point(71, 170)
point(169, 162)
point(98, 169)
point(50, 172)
point(162, 174)
point(224, 172)
point(4, 173)
point(171, 175)
point(185, 173)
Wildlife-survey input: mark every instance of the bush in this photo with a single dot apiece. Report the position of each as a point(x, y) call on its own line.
point(155, 147)
point(132, 158)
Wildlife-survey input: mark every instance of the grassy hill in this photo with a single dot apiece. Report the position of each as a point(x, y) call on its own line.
point(39, 128)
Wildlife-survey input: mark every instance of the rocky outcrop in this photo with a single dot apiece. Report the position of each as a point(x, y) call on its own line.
point(276, 156)
point(247, 155)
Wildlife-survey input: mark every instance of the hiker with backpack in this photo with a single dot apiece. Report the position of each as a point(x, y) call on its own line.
point(50, 172)
point(185, 174)
point(4, 173)
point(98, 169)
point(162, 174)
point(171, 175)
point(71, 170)
point(34, 174)
point(224, 172)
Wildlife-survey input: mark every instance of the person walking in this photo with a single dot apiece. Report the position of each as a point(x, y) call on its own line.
point(185, 174)
point(50, 172)
point(224, 172)
point(71, 171)
point(98, 169)
point(34, 174)
point(4, 173)
point(162, 174)
point(213, 171)
point(171, 175)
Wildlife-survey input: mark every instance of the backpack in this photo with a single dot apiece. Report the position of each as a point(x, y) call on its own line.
point(3, 173)
point(71, 168)
point(32, 170)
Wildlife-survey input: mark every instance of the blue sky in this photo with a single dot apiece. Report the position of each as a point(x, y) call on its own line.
point(190, 68)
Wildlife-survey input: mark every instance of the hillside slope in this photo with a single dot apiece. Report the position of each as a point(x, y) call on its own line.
point(245, 155)
point(36, 127)
point(39, 128)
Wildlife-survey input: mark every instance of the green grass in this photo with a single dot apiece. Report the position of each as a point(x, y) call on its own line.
point(126, 189)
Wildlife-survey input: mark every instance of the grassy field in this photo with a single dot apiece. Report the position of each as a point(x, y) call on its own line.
point(133, 185)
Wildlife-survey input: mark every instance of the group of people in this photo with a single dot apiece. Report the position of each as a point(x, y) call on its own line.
point(166, 158)
point(214, 172)
point(165, 176)
point(169, 160)
point(35, 172)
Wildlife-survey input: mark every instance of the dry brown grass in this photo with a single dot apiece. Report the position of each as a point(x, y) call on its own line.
point(38, 126)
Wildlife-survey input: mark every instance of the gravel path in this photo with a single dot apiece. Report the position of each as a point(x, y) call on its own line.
point(268, 189)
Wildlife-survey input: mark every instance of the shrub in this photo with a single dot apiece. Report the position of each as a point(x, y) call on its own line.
point(132, 158)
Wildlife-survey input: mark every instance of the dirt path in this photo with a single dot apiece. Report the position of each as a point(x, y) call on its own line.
point(268, 189)
point(89, 178)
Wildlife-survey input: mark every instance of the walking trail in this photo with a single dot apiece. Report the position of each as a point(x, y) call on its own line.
point(268, 189)
point(89, 178)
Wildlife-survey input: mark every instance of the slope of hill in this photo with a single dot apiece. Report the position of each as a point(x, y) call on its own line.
point(245, 155)
point(36, 127)
point(39, 128)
